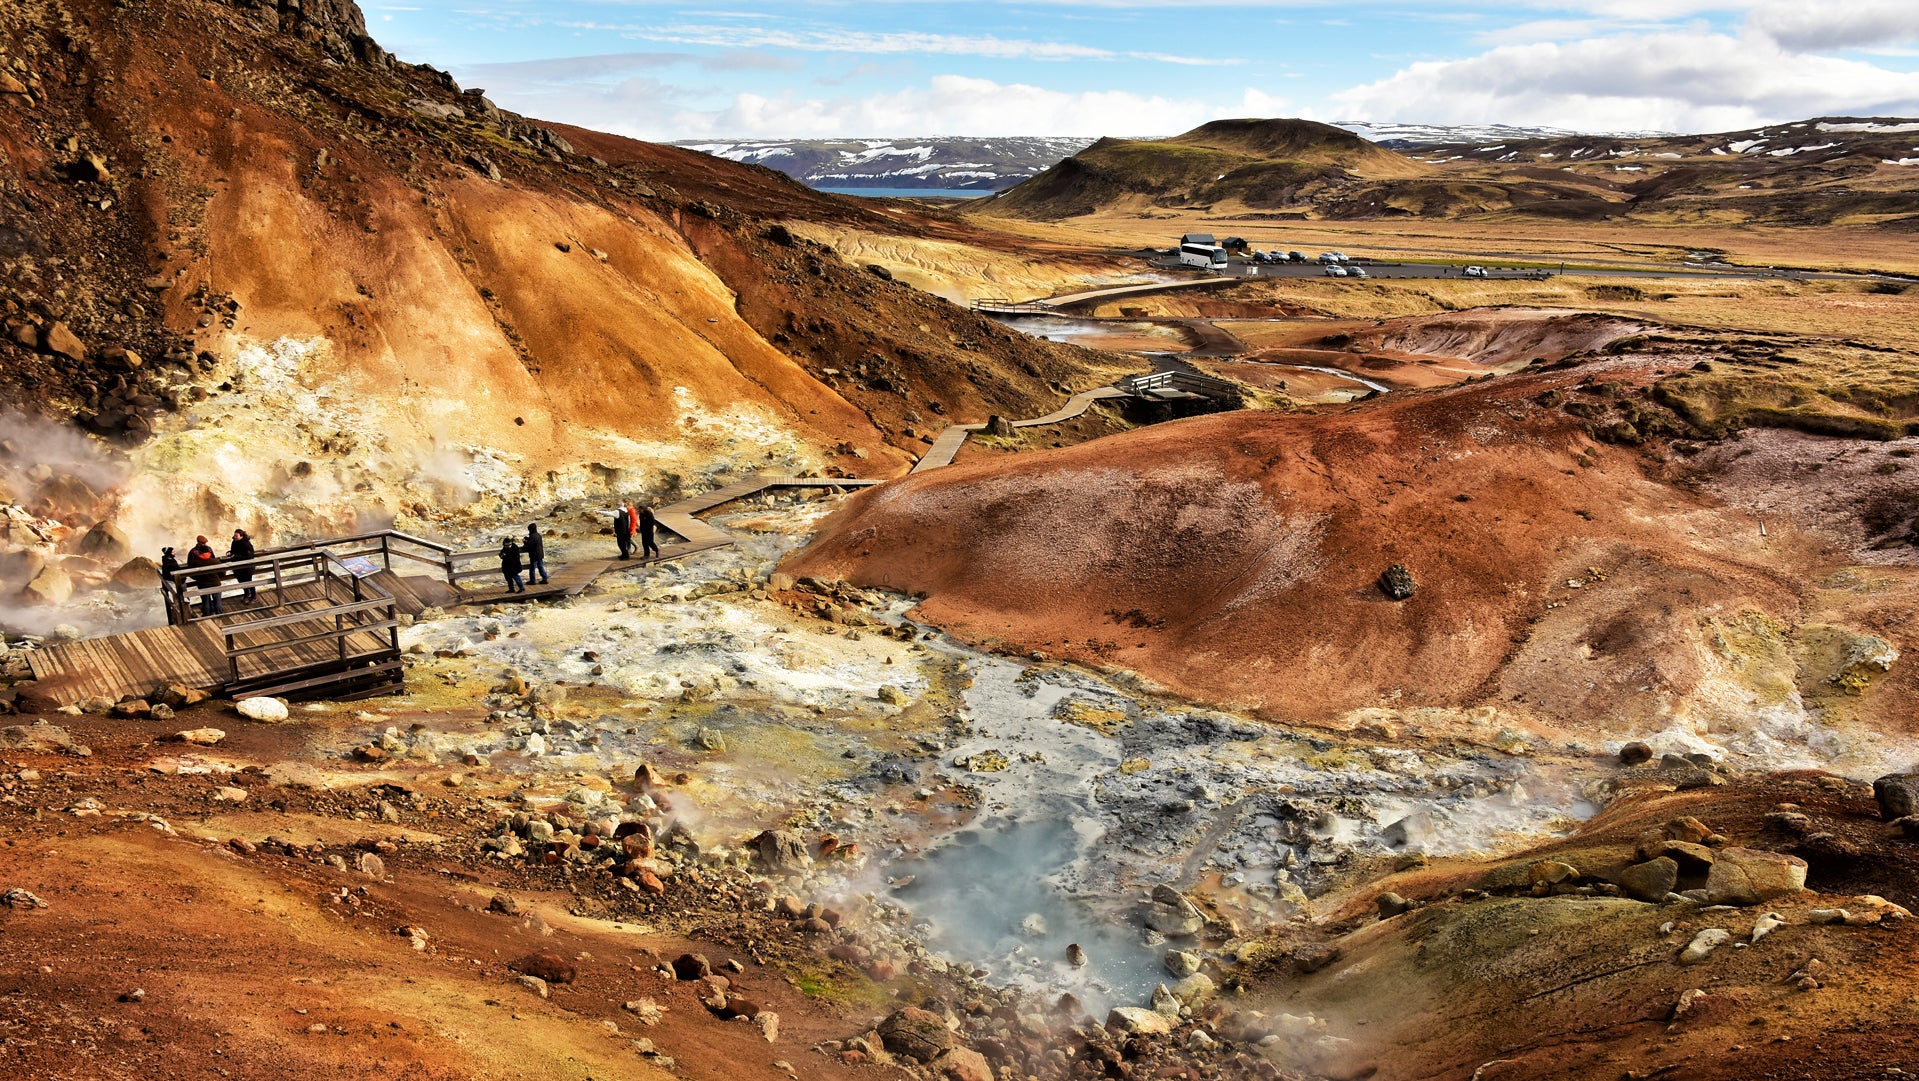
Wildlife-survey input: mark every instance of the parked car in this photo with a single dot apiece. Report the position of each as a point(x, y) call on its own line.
point(1262, 258)
point(1475, 272)
point(1333, 270)
point(1296, 256)
point(1357, 272)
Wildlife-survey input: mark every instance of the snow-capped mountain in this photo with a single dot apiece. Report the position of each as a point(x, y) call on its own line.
point(1406, 136)
point(974, 164)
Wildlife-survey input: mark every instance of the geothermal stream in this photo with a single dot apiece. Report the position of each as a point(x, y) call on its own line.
point(1008, 809)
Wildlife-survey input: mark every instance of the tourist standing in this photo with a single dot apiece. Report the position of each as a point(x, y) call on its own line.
point(510, 565)
point(242, 549)
point(171, 589)
point(648, 524)
point(201, 556)
point(535, 555)
point(623, 530)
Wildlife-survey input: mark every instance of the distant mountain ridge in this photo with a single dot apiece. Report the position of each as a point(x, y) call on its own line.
point(1859, 170)
point(1399, 136)
point(943, 163)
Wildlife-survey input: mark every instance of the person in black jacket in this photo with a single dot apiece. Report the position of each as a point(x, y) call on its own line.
point(647, 526)
point(198, 557)
point(623, 530)
point(535, 555)
point(170, 589)
point(510, 565)
point(241, 549)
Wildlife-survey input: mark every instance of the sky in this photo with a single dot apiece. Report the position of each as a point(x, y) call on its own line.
point(744, 69)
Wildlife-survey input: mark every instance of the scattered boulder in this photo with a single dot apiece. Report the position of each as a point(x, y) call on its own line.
point(1076, 955)
point(1703, 944)
point(549, 967)
point(962, 1064)
point(1390, 905)
point(1635, 754)
point(202, 737)
point(1551, 873)
point(1898, 795)
point(484, 165)
point(51, 586)
point(504, 905)
point(781, 851)
point(136, 575)
point(1747, 876)
point(19, 898)
point(997, 425)
point(39, 738)
point(917, 1034)
point(1397, 582)
point(105, 543)
point(60, 340)
point(1170, 913)
point(1650, 881)
point(1138, 1021)
point(265, 710)
point(691, 966)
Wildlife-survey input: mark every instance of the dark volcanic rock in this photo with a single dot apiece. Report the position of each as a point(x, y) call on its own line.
point(1397, 582)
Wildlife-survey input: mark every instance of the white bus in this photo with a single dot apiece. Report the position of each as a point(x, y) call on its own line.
point(1204, 256)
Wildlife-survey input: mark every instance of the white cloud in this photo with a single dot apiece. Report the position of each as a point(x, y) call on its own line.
point(838, 40)
point(956, 104)
point(1684, 81)
point(1803, 26)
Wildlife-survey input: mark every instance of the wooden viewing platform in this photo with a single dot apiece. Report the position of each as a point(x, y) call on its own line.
point(325, 621)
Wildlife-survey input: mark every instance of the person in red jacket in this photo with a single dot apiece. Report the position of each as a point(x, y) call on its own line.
point(201, 555)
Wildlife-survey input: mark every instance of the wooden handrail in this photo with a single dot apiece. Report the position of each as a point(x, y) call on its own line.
point(322, 636)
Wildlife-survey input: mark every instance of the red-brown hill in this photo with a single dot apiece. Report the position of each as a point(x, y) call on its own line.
point(1235, 559)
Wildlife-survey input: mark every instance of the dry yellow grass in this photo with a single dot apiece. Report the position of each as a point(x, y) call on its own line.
point(1498, 236)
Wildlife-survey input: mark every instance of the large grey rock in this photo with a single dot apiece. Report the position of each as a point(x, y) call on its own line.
point(1651, 880)
point(781, 851)
point(1170, 913)
point(1898, 795)
point(105, 542)
point(1746, 876)
point(916, 1034)
point(50, 586)
point(1138, 1020)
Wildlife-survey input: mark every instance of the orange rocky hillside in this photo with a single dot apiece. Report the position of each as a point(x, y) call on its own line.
point(206, 198)
point(1237, 559)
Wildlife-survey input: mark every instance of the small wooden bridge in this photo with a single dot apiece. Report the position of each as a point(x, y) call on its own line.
point(323, 617)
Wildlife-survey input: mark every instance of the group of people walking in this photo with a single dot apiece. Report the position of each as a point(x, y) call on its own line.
point(203, 561)
point(629, 520)
point(523, 560)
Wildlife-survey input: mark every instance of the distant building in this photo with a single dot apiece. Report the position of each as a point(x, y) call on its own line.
point(1202, 239)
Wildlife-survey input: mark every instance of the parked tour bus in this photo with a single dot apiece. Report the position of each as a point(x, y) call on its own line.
point(1204, 256)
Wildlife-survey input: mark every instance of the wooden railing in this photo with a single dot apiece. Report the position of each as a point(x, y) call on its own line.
point(303, 629)
point(1176, 379)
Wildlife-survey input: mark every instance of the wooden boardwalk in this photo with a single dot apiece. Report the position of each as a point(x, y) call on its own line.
point(250, 646)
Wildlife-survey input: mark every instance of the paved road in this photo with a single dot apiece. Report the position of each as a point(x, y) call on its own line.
point(1374, 269)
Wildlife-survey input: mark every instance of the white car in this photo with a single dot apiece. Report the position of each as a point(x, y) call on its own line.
point(1475, 272)
point(1334, 271)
